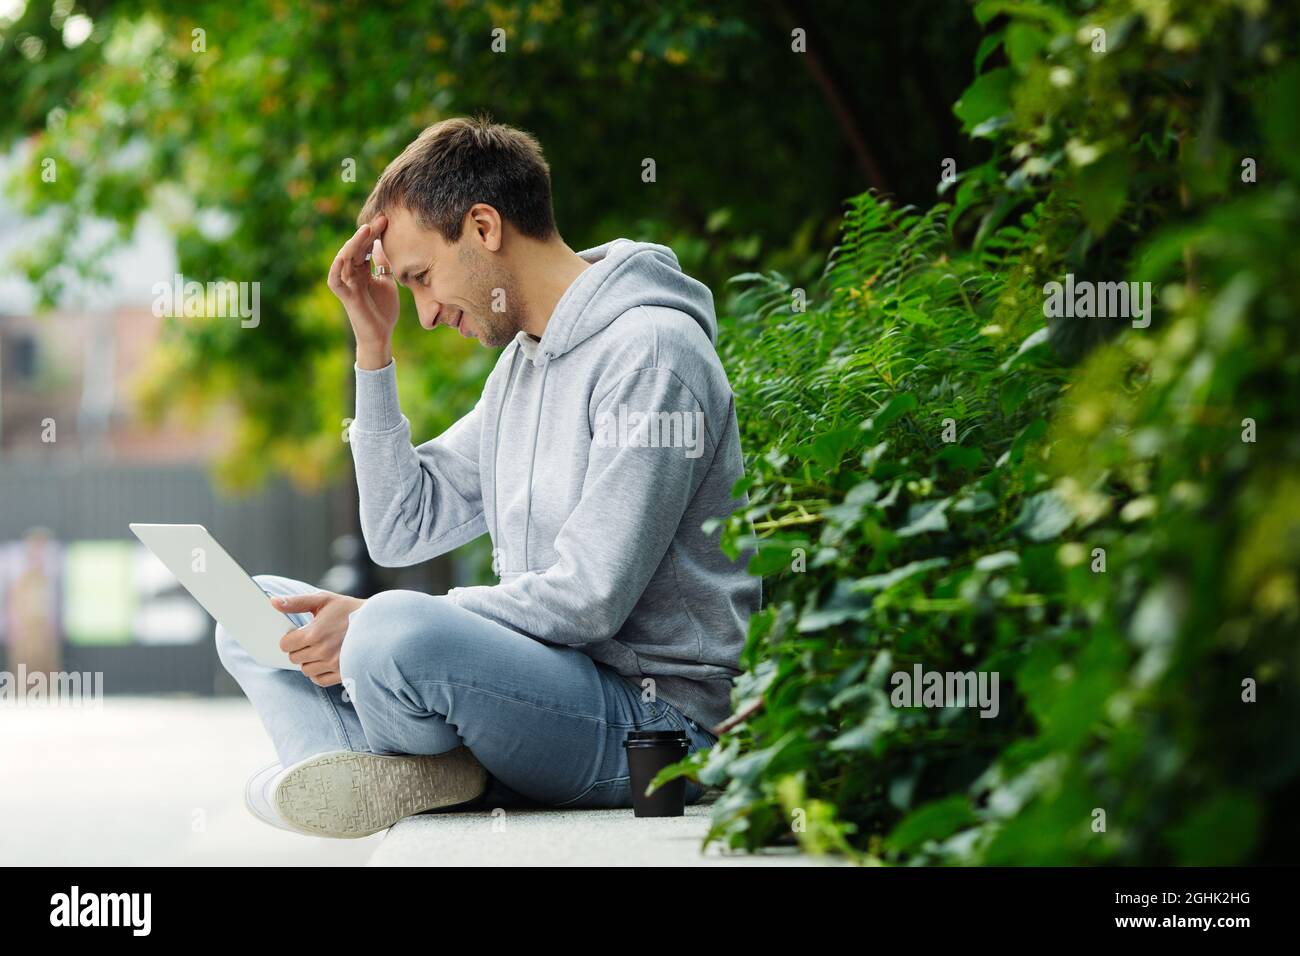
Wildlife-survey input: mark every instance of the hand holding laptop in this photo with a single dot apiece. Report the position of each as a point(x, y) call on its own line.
point(315, 646)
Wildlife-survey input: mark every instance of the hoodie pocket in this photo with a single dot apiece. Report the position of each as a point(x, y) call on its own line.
point(664, 631)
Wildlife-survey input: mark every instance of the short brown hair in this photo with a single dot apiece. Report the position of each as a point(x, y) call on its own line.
point(459, 162)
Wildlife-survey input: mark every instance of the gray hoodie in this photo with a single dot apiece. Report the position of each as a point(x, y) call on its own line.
point(592, 459)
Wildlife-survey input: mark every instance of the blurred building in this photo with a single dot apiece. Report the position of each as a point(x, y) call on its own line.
point(77, 465)
point(74, 368)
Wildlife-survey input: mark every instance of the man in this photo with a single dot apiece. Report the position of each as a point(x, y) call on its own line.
point(604, 439)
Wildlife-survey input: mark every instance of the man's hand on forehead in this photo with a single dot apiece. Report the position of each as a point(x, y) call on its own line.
point(376, 255)
point(370, 299)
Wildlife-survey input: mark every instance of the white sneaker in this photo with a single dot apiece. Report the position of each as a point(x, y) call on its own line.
point(350, 794)
point(257, 796)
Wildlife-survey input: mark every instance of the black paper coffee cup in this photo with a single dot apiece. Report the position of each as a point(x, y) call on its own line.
point(648, 752)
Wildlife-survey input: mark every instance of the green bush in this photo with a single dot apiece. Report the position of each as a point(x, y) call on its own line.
point(1105, 516)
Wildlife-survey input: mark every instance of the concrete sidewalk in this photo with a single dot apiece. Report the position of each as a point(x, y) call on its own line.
point(159, 781)
point(144, 781)
point(564, 838)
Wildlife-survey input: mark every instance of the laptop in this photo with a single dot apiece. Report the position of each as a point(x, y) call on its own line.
point(222, 587)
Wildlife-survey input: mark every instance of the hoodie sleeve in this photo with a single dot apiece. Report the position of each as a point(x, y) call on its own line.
point(416, 502)
point(632, 503)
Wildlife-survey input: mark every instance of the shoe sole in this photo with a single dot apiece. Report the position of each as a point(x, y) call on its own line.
point(355, 794)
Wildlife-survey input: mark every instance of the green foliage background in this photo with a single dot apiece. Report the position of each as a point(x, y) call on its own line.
point(1101, 535)
point(882, 543)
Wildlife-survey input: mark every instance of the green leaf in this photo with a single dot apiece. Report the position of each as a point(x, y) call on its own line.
point(934, 821)
point(998, 561)
point(769, 558)
point(974, 503)
point(1028, 435)
point(829, 448)
point(1043, 516)
point(1055, 20)
point(892, 410)
point(1024, 42)
point(842, 606)
point(1101, 190)
point(924, 517)
point(749, 768)
point(988, 96)
point(881, 582)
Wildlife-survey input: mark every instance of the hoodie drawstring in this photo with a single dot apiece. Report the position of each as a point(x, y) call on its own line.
point(496, 450)
point(532, 460)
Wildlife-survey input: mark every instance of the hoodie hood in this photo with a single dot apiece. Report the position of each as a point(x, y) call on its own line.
point(623, 275)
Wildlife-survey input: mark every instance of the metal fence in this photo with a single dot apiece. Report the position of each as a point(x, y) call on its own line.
point(278, 529)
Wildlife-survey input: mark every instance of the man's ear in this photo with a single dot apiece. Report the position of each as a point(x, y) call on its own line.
point(487, 225)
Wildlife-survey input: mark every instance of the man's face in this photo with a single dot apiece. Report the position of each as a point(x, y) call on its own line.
point(454, 284)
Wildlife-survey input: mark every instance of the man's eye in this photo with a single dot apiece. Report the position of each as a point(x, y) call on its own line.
point(421, 277)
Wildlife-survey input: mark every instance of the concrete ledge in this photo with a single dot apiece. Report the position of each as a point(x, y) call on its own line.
point(556, 837)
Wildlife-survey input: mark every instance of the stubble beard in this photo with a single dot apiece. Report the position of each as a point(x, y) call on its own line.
point(495, 329)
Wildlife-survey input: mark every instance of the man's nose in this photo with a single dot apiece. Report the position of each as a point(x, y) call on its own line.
point(428, 311)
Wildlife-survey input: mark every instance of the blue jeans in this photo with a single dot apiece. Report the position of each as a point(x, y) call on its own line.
point(424, 676)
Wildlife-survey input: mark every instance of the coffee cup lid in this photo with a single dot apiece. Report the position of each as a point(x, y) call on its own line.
point(650, 737)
